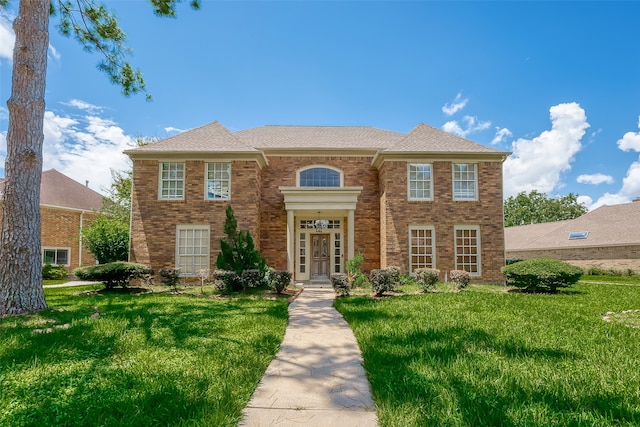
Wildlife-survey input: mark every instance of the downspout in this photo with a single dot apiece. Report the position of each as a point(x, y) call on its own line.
point(80, 240)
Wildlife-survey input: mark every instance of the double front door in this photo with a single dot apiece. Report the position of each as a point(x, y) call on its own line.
point(320, 256)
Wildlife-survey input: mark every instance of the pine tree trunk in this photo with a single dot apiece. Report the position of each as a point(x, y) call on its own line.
point(20, 259)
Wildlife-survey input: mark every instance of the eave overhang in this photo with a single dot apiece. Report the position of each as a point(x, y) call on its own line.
point(320, 199)
point(441, 156)
point(206, 156)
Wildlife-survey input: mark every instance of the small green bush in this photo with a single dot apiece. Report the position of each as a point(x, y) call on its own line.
point(542, 274)
point(112, 274)
point(427, 278)
point(170, 277)
point(279, 280)
point(227, 281)
point(252, 278)
point(384, 280)
point(340, 283)
point(54, 272)
point(460, 278)
point(356, 277)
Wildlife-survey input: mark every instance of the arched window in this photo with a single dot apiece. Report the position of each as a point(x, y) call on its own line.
point(319, 176)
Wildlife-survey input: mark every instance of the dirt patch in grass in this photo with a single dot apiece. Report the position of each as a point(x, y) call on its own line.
point(630, 318)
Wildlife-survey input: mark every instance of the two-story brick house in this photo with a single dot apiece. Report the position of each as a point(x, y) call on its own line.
point(313, 196)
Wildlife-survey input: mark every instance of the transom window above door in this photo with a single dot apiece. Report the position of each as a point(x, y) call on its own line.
point(319, 176)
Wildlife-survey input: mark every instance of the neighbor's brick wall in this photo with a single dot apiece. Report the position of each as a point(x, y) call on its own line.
point(60, 228)
point(357, 172)
point(443, 213)
point(154, 221)
point(612, 257)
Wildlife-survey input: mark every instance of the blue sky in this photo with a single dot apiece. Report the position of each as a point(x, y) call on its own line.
point(556, 83)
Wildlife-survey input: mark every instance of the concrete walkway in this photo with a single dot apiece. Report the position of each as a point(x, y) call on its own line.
point(317, 378)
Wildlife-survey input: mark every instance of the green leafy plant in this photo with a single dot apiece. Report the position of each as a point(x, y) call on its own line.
point(112, 274)
point(54, 272)
point(427, 278)
point(340, 283)
point(384, 280)
point(542, 274)
point(460, 279)
point(107, 239)
point(279, 280)
point(170, 277)
point(356, 277)
point(237, 250)
point(227, 281)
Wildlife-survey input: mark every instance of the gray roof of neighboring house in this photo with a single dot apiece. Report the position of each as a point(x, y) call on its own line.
point(214, 137)
point(606, 225)
point(57, 189)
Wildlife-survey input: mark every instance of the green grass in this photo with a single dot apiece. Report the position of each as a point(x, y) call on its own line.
point(629, 280)
point(144, 359)
point(487, 357)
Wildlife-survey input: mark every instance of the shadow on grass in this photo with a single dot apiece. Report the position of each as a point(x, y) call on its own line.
point(156, 359)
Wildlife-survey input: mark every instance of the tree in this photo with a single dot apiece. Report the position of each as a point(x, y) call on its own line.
point(536, 207)
point(237, 250)
point(107, 239)
point(97, 30)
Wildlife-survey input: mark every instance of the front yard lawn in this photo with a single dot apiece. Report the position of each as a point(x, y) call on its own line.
point(488, 357)
point(126, 359)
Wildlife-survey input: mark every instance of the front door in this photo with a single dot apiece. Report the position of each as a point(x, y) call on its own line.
point(320, 256)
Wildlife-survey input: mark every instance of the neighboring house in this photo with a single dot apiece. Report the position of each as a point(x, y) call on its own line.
point(607, 237)
point(313, 196)
point(66, 206)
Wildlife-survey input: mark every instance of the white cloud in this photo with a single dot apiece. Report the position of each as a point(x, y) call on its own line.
point(595, 179)
point(630, 140)
point(629, 191)
point(7, 37)
point(172, 129)
point(501, 135)
point(83, 105)
point(536, 164)
point(84, 147)
point(455, 106)
point(469, 126)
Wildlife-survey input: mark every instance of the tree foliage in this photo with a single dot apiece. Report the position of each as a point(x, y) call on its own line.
point(536, 207)
point(107, 239)
point(237, 250)
point(97, 30)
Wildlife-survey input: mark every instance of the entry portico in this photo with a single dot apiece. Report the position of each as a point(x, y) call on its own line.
point(317, 218)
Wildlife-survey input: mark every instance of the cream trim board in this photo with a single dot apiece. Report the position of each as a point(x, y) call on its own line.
point(478, 246)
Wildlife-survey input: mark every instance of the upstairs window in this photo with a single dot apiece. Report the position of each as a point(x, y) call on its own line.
point(218, 185)
point(465, 181)
point(420, 182)
point(319, 176)
point(172, 181)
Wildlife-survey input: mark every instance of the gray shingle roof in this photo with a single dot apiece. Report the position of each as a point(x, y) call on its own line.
point(424, 138)
point(57, 189)
point(607, 226)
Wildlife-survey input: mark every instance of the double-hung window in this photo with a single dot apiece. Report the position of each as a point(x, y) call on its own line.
point(465, 181)
point(192, 248)
point(420, 182)
point(422, 243)
point(467, 241)
point(218, 185)
point(172, 181)
point(55, 256)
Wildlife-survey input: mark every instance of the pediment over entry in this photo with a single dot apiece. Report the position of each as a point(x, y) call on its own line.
point(320, 198)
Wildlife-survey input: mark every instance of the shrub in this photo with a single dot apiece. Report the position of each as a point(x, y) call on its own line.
point(107, 239)
point(170, 277)
point(237, 250)
point(252, 278)
point(356, 277)
point(340, 283)
point(460, 279)
point(427, 278)
point(112, 274)
point(279, 280)
point(542, 274)
point(227, 281)
point(384, 280)
point(54, 272)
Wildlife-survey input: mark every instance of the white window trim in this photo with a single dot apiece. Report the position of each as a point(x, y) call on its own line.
point(191, 227)
point(184, 175)
point(56, 248)
point(479, 246)
point(420, 199)
point(433, 243)
point(206, 180)
point(453, 183)
point(319, 166)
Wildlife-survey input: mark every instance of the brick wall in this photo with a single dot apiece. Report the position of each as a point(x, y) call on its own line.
point(154, 221)
point(443, 213)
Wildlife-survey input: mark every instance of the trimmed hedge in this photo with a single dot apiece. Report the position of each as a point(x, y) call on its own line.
point(54, 272)
point(113, 274)
point(542, 274)
point(426, 278)
point(340, 283)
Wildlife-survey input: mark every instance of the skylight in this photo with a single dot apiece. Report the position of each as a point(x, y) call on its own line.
point(578, 235)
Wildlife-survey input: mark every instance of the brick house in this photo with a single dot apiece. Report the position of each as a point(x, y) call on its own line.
point(313, 196)
point(66, 206)
point(607, 237)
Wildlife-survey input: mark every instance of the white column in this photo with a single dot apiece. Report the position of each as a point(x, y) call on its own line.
point(350, 234)
point(291, 235)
